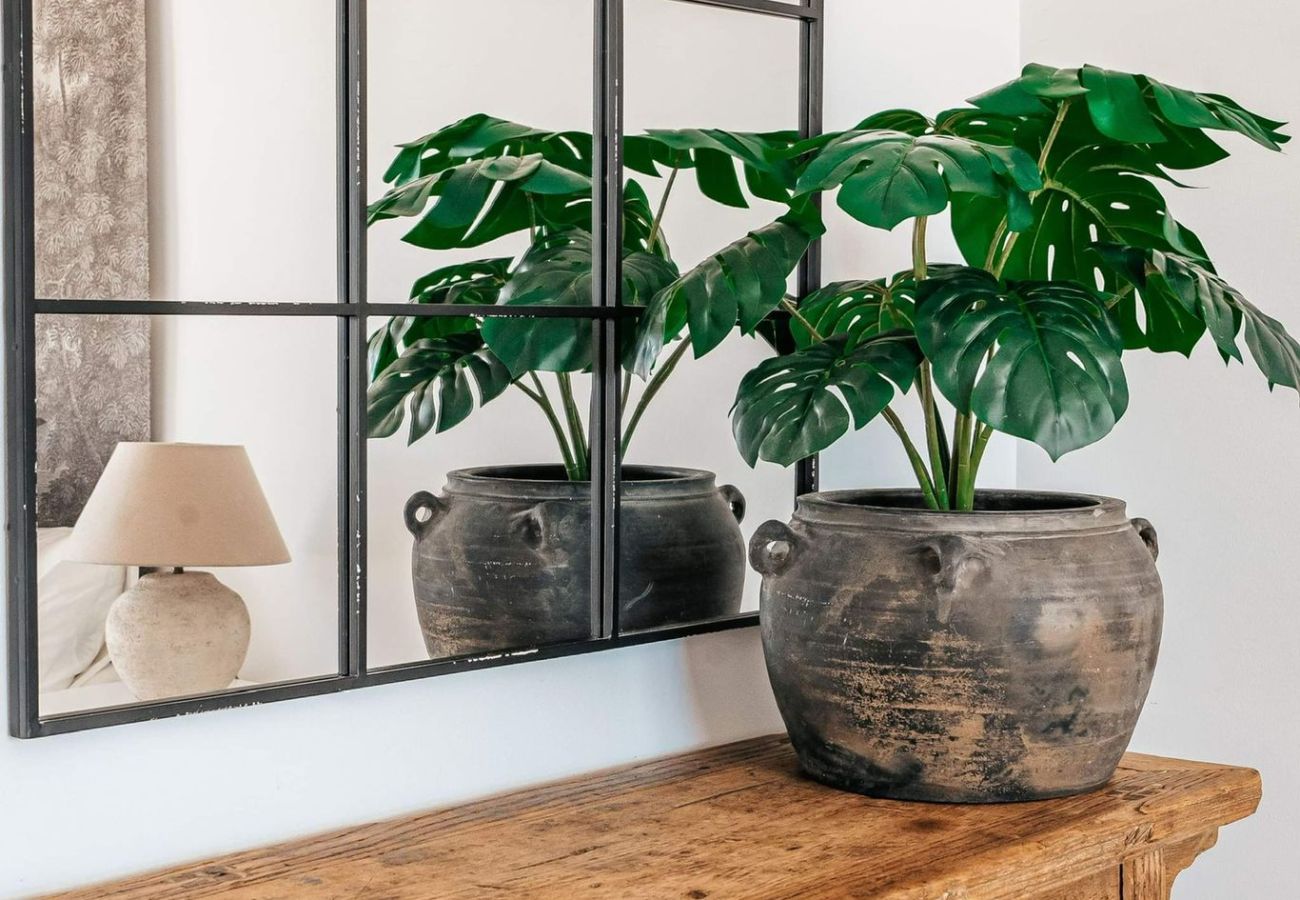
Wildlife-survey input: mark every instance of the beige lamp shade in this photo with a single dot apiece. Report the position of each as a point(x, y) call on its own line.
point(178, 505)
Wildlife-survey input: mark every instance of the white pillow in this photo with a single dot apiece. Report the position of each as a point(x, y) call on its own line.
point(72, 601)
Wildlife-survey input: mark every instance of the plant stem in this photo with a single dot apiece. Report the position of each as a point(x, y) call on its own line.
point(918, 248)
point(659, 214)
point(653, 388)
point(938, 477)
point(626, 391)
point(914, 457)
point(977, 455)
point(788, 305)
point(1052, 134)
point(580, 452)
point(539, 397)
point(952, 456)
point(965, 477)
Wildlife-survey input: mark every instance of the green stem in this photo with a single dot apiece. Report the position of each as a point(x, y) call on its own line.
point(939, 477)
point(952, 456)
point(580, 452)
point(1043, 155)
point(965, 476)
point(626, 392)
point(918, 248)
point(914, 457)
point(659, 214)
point(539, 397)
point(977, 456)
point(653, 388)
point(788, 305)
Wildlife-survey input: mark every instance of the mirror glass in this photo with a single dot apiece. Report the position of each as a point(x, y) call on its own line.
point(185, 150)
point(478, 503)
point(238, 490)
point(688, 501)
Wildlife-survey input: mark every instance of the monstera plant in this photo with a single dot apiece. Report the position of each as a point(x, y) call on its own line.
point(955, 645)
point(1072, 258)
point(502, 558)
point(483, 178)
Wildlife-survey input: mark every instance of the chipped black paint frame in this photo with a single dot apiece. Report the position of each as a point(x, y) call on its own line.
point(350, 309)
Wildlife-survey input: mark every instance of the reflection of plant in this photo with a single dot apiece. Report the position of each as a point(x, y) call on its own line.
point(1072, 258)
point(483, 178)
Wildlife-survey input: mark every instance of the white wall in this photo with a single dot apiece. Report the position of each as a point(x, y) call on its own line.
point(1208, 454)
point(101, 804)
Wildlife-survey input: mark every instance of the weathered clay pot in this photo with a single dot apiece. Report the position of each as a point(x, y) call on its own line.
point(502, 560)
point(1002, 654)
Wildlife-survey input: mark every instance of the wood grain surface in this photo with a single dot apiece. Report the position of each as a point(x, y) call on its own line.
point(740, 821)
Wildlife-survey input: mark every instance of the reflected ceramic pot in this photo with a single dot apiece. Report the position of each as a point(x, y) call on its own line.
point(1002, 654)
point(502, 559)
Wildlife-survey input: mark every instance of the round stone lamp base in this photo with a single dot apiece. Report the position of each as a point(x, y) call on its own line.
point(177, 633)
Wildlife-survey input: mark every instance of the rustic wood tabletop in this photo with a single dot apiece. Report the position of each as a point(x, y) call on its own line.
point(740, 821)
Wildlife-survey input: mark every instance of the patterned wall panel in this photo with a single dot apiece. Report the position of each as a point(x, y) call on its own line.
point(92, 241)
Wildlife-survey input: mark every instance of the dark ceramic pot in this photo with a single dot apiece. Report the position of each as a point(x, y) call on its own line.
point(997, 655)
point(502, 560)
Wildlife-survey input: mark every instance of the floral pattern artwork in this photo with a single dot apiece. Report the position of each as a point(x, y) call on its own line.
point(92, 241)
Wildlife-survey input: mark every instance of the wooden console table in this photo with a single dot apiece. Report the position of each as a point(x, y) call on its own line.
point(740, 822)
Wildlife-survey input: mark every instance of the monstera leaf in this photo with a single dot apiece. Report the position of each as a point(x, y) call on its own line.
point(458, 206)
point(1038, 360)
point(740, 284)
point(713, 154)
point(887, 176)
point(858, 309)
point(440, 377)
point(475, 283)
point(481, 136)
point(1093, 190)
point(790, 407)
point(1194, 289)
point(1129, 108)
point(557, 271)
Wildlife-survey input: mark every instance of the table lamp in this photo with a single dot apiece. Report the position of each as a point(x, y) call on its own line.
point(169, 506)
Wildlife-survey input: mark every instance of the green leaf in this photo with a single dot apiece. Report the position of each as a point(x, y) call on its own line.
point(454, 204)
point(1093, 191)
point(1223, 311)
point(858, 309)
point(438, 382)
point(1117, 107)
point(886, 177)
point(740, 284)
point(557, 271)
point(1131, 108)
point(790, 407)
point(1169, 325)
point(1038, 360)
point(713, 153)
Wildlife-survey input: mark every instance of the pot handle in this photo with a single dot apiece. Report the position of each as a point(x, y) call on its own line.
point(1147, 532)
point(735, 499)
point(772, 548)
point(422, 500)
point(955, 562)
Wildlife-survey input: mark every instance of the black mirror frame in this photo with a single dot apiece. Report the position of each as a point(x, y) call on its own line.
point(351, 308)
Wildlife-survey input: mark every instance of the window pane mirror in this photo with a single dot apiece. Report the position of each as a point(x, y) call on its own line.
point(689, 503)
point(316, 358)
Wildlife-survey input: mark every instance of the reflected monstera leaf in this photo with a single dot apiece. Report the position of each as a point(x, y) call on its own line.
point(557, 271)
point(445, 378)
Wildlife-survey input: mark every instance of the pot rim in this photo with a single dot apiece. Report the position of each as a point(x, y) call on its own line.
point(1022, 511)
point(538, 481)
